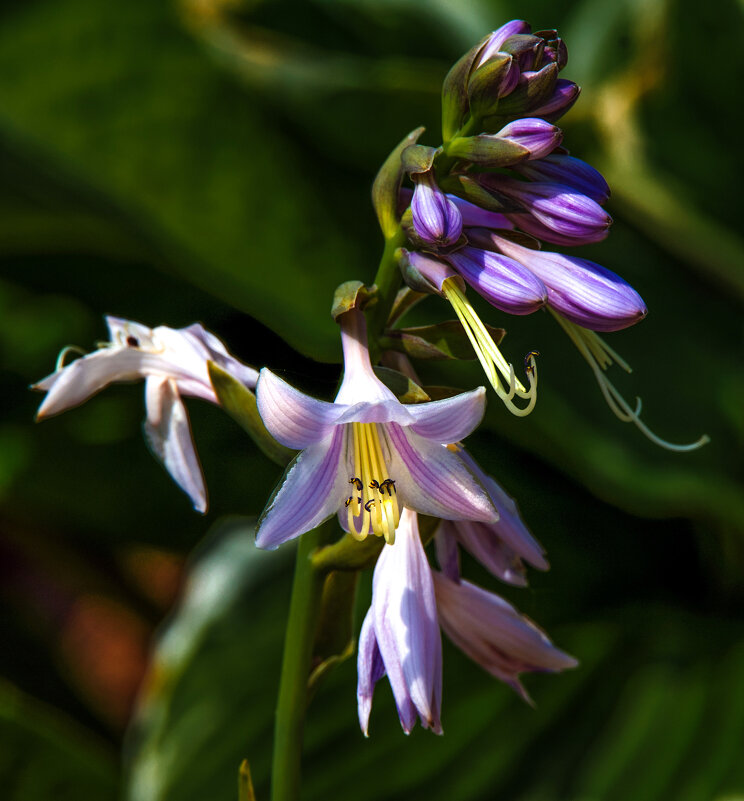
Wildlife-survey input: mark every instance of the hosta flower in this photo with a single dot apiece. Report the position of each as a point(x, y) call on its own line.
point(436, 219)
point(367, 454)
point(400, 635)
point(173, 364)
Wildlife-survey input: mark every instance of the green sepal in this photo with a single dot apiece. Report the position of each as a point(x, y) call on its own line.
point(405, 300)
point(531, 94)
point(455, 92)
point(487, 151)
point(485, 83)
point(386, 186)
point(446, 340)
point(334, 639)
point(468, 189)
point(404, 389)
point(419, 158)
point(352, 295)
point(240, 403)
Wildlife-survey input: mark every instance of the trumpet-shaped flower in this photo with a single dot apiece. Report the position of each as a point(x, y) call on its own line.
point(173, 364)
point(366, 454)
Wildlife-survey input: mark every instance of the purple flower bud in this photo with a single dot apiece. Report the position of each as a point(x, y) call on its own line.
point(503, 282)
point(584, 292)
point(563, 97)
point(436, 219)
point(569, 171)
point(559, 208)
point(498, 37)
point(472, 216)
point(538, 136)
point(424, 273)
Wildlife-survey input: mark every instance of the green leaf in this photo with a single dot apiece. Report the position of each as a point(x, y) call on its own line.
point(240, 403)
point(45, 755)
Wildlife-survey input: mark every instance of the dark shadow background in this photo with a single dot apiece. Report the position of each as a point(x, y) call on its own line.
point(211, 160)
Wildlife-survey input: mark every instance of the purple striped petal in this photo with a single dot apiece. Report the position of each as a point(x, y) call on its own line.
point(292, 417)
point(564, 96)
point(314, 488)
point(168, 434)
point(389, 411)
point(494, 634)
point(483, 543)
point(584, 292)
point(472, 215)
point(436, 218)
point(559, 208)
point(448, 554)
point(433, 480)
point(503, 282)
point(538, 136)
point(406, 626)
point(370, 669)
point(450, 419)
point(569, 171)
point(498, 37)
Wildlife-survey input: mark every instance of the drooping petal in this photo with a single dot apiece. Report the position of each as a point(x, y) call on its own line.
point(370, 669)
point(450, 419)
point(482, 542)
point(406, 626)
point(494, 634)
point(292, 417)
point(214, 350)
point(312, 489)
point(75, 383)
point(448, 554)
point(168, 434)
point(503, 282)
point(433, 480)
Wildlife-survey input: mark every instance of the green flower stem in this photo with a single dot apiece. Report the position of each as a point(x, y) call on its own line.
point(387, 281)
point(307, 591)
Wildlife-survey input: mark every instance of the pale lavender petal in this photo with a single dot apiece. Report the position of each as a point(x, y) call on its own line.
point(168, 434)
point(292, 417)
point(471, 214)
point(436, 219)
point(584, 292)
point(560, 208)
point(448, 554)
point(503, 282)
point(121, 330)
point(482, 542)
point(386, 411)
point(570, 171)
point(313, 488)
point(432, 479)
point(215, 351)
point(532, 226)
point(498, 37)
point(450, 419)
point(539, 137)
point(82, 378)
point(494, 634)
point(406, 626)
point(370, 669)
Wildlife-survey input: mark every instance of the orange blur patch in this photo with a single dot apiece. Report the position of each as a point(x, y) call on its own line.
point(156, 573)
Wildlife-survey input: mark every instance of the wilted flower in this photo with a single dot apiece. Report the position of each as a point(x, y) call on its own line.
point(173, 364)
point(367, 452)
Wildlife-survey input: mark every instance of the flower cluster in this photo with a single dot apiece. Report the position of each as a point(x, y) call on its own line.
point(500, 185)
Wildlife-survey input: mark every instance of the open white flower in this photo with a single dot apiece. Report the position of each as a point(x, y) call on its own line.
point(173, 363)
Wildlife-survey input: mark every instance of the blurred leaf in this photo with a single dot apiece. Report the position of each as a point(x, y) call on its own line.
point(631, 722)
point(44, 756)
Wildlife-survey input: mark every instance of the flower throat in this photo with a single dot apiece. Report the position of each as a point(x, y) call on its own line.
point(373, 499)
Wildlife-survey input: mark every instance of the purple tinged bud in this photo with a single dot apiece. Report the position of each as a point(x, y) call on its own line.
point(436, 218)
point(472, 216)
point(561, 209)
point(498, 37)
point(424, 273)
point(584, 292)
point(563, 97)
point(538, 136)
point(569, 171)
point(503, 282)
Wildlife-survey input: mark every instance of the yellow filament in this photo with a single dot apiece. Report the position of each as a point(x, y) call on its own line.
point(371, 470)
point(490, 357)
point(599, 356)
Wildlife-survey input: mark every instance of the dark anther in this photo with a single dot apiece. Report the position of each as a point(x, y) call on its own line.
point(357, 482)
point(389, 485)
point(133, 342)
point(366, 505)
point(528, 360)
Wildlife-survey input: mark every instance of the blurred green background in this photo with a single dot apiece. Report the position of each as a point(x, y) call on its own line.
point(211, 160)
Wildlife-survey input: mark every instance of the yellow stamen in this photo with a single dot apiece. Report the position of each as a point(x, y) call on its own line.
point(378, 506)
point(599, 356)
point(490, 357)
